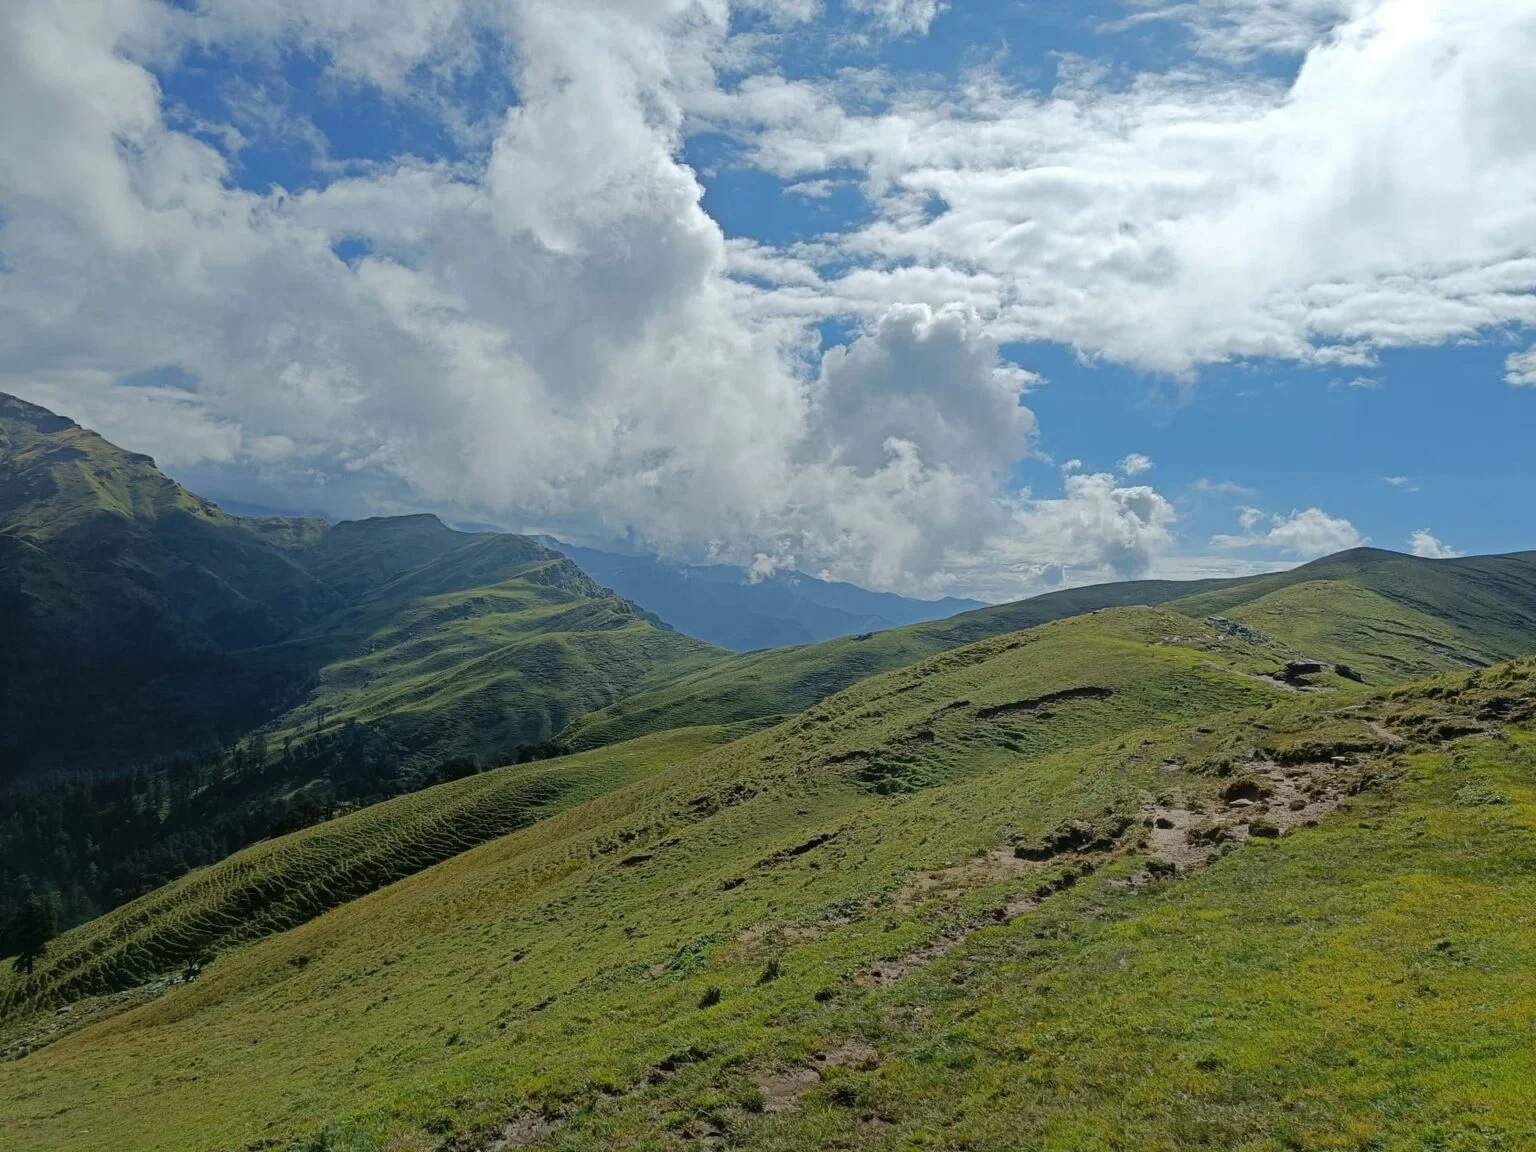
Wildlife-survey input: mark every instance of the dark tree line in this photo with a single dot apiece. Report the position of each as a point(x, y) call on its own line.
point(86, 842)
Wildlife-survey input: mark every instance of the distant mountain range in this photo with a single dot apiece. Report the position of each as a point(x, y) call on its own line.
point(725, 605)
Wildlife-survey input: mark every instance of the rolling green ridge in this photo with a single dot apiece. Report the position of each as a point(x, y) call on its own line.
point(782, 681)
point(1491, 599)
point(1424, 616)
point(940, 908)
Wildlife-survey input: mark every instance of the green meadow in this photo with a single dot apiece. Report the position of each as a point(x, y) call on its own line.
point(930, 911)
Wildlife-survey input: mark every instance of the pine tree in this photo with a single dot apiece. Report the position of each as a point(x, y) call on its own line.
point(36, 922)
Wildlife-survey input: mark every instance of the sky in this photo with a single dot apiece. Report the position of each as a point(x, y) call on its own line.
point(969, 298)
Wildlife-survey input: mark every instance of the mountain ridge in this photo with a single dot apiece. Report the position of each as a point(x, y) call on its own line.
point(180, 681)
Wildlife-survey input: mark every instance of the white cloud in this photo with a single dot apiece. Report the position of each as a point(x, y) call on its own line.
point(552, 329)
point(1520, 368)
point(1307, 533)
point(1397, 481)
point(1135, 464)
point(1423, 543)
point(900, 17)
point(552, 336)
point(1383, 198)
point(812, 189)
point(930, 378)
point(1225, 487)
point(1072, 465)
point(1096, 530)
point(1241, 29)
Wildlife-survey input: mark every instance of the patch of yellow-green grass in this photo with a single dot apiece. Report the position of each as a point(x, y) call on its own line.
point(653, 967)
point(277, 884)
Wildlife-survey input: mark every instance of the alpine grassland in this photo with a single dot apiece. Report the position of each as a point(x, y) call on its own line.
point(1397, 616)
point(416, 840)
point(1107, 883)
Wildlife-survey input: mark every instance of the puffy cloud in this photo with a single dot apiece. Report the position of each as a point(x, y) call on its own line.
point(929, 378)
point(1096, 530)
point(1520, 368)
point(1423, 543)
point(551, 328)
point(1311, 532)
point(553, 335)
point(1382, 198)
point(1135, 464)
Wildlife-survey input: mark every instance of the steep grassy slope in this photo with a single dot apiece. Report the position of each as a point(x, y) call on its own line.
point(147, 632)
point(1399, 616)
point(113, 577)
point(446, 669)
point(828, 810)
point(857, 970)
point(281, 883)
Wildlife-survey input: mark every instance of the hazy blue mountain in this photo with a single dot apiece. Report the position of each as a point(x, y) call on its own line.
point(720, 603)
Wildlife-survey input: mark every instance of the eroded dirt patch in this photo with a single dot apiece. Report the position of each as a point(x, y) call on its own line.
point(782, 1088)
point(1267, 800)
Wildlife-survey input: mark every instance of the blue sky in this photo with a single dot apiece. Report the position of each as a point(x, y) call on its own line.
point(939, 298)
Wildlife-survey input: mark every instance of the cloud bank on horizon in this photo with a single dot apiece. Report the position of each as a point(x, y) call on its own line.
point(765, 280)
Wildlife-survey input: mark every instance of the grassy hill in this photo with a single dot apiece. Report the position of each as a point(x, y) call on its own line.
point(172, 624)
point(179, 682)
point(113, 578)
point(782, 681)
point(1490, 600)
point(493, 645)
point(1398, 617)
point(1101, 884)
